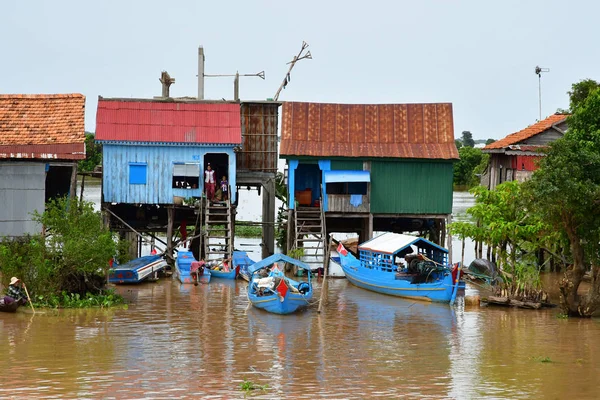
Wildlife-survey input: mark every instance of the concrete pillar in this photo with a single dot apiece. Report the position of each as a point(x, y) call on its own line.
point(369, 227)
point(200, 73)
point(268, 218)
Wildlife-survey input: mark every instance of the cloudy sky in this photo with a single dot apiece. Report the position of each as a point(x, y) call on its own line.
point(478, 55)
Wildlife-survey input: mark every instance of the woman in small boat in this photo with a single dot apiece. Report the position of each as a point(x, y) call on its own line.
point(16, 292)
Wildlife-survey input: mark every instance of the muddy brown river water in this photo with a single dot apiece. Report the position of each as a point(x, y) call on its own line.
point(182, 341)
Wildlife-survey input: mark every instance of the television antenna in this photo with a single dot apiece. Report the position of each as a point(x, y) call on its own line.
point(538, 72)
point(297, 58)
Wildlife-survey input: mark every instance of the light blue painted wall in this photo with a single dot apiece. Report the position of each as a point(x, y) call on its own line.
point(160, 161)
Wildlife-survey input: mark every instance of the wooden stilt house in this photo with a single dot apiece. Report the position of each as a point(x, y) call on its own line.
point(364, 168)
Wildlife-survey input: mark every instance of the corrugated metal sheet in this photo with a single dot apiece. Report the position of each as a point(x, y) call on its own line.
point(525, 163)
point(423, 131)
point(411, 187)
point(259, 137)
point(75, 151)
point(168, 121)
point(344, 165)
point(22, 190)
point(160, 165)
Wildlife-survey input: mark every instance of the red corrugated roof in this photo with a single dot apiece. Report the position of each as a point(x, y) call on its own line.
point(168, 121)
point(528, 132)
point(368, 130)
point(42, 126)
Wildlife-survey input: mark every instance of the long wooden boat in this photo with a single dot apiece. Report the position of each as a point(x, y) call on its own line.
point(241, 261)
point(9, 306)
point(270, 290)
point(137, 270)
point(184, 272)
point(404, 266)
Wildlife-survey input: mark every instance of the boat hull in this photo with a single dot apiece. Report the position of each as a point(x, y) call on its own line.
point(273, 304)
point(241, 261)
point(136, 271)
point(438, 291)
point(225, 275)
point(11, 307)
point(183, 269)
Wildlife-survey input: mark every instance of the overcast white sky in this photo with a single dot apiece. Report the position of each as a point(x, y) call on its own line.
point(478, 55)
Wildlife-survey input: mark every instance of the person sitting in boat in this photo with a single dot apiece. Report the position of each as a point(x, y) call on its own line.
point(196, 270)
point(15, 291)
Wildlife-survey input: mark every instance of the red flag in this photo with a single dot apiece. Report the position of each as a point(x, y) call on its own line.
point(342, 250)
point(282, 289)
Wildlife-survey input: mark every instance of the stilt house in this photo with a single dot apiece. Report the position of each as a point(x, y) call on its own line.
point(155, 152)
point(514, 158)
point(42, 138)
point(364, 168)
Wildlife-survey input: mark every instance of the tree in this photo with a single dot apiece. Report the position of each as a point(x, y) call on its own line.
point(464, 169)
point(489, 141)
point(93, 154)
point(566, 192)
point(458, 143)
point(580, 91)
point(72, 256)
point(467, 139)
point(504, 223)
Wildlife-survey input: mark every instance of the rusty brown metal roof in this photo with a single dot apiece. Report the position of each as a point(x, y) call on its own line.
point(368, 130)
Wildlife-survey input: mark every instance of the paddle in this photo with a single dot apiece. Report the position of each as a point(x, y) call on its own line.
point(28, 298)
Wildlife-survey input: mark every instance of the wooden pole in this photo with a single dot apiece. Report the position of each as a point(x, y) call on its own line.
point(28, 298)
point(326, 268)
point(169, 250)
point(462, 256)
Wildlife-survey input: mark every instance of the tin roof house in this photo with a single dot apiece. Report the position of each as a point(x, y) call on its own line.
point(515, 156)
point(363, 168)
point(42, 137)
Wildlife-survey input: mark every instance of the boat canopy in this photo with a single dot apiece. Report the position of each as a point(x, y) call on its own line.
point(264, 263)
point(347, 176)
point(391, 243)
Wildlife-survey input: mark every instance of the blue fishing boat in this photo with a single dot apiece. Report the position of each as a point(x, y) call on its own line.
point(136, 270)
point(223, 270)
point(189, 270)
point(402, 265)
point(241, 261)
point(270, 290)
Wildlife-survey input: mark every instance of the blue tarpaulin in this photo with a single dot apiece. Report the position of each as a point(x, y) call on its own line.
point(347, 176)
point(276, 258)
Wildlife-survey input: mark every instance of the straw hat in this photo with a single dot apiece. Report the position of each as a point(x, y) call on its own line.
point(14, 280)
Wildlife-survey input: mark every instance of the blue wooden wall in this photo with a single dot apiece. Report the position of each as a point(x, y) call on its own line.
point(159, 162)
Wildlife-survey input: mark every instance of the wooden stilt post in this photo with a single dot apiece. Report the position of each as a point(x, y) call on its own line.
point(325, 281)
point(170, 221)
point(73, 187)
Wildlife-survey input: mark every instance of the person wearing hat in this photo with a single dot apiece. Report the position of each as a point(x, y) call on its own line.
point(209, 182)
point(15, 290)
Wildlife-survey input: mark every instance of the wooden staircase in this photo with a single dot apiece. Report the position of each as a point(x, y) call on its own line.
point(218, 231)
point(310, 235)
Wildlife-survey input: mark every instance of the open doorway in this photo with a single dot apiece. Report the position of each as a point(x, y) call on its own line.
point(58, 181)
point(219, 162)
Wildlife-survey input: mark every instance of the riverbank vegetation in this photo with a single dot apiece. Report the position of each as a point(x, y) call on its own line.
point(67, 264)
point(554, 218)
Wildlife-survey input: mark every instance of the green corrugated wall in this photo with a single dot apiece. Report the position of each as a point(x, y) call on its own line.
point(411, 187)
point(347, 165)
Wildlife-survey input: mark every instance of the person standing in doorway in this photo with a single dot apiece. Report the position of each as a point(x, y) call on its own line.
point(224, 187)
point(209, 182)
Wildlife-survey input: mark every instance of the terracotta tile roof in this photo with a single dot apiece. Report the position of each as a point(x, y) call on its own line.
point(424, 131)
point(42, 126)
point(528, 132)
